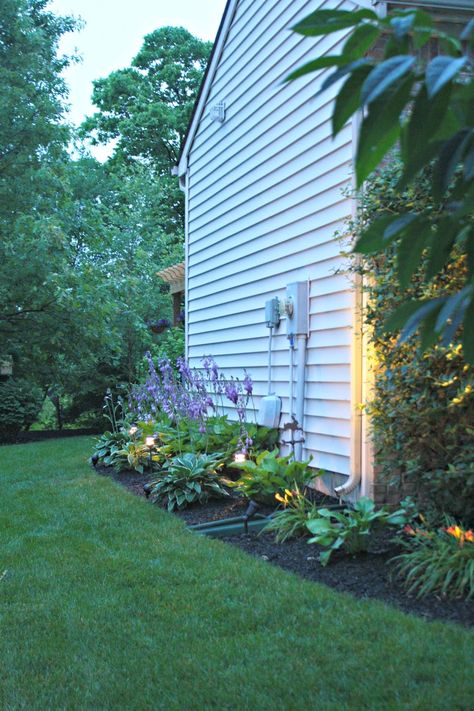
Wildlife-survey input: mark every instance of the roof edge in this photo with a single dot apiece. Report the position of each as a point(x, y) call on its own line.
point(206, 83)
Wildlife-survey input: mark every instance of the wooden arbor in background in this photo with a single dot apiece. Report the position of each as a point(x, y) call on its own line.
point(174, 276)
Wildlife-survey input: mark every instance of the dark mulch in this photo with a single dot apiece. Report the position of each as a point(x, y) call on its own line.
point(366, 576)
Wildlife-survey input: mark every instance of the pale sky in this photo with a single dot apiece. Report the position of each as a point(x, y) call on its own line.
point(114, 32)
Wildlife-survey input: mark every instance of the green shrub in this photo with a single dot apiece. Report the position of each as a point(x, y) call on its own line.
point(20, 404)
point(107, 445)
point(351, 529)
point(271, 474)
point(188, 479)
point(224, 435)
point(438, 561)
point(134, 455)
point(422, 409)
point(171, 344)
point(290, 521)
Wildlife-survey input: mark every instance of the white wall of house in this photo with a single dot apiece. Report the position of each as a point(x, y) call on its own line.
point(266, 193)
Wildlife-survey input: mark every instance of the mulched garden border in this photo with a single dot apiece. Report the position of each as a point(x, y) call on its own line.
point(366, 576)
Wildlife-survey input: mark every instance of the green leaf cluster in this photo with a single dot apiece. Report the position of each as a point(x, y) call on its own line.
point(436, 562)
point(187, 479)
point(290, 521)
point(271, 474)
point(351, 529)
point(422, 403)
point(19, 407)
point(426, 105)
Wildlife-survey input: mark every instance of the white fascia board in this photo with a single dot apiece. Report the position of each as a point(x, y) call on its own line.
point(221, 40)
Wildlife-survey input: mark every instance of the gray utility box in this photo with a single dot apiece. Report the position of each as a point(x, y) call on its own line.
point(297, 311)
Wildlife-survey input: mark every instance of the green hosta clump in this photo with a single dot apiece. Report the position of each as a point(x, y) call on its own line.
point(271, 474)
point(187, 479)
point(290, 521)
point(135, 455)
point(437, 561)
point(351, 529)
point(108, 445)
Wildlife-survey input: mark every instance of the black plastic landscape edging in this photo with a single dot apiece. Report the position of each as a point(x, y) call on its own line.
point(225, 527)
point(231, 526)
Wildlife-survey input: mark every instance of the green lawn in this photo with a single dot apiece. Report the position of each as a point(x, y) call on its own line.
point(109, 603)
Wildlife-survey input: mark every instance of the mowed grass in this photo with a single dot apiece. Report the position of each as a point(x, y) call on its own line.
point(109, 603)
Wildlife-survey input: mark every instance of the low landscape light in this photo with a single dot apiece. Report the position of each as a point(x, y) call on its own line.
point(133, 430)
point(239, 457)
point(150, 442)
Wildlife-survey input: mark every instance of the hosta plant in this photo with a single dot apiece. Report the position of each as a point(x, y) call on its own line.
point(351, 528)
point(271, 474)
point(109, 444)
point(437, 561)
point(187, 479)
point(135, 455)
point(290, 521)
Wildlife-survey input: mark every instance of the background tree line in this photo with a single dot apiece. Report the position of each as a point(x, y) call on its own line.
point(81, 241)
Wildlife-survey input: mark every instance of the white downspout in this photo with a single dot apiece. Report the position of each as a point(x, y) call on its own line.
point(355, 475)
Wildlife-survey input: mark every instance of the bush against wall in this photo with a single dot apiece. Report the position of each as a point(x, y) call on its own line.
point(422, 409)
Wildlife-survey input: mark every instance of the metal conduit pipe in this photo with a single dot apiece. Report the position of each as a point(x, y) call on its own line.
point(291, 410)
point(300, 395)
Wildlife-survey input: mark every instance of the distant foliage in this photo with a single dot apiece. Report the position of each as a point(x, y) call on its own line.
point(20, 404)
point(171, 345)
point(422, 410)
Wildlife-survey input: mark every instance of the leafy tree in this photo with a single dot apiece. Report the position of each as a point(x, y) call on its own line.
point(81, 242)
point(146, 107)
point(32, 158)
point(427, 105)
point(32, 145)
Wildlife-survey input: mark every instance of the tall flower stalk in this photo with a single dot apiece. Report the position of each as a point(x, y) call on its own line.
point(192, 394)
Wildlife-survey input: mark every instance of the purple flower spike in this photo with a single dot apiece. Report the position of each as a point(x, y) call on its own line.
point(231, 392)
point(248, 385)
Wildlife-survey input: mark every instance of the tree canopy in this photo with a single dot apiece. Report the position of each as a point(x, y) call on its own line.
point(81, 241)
point(146, 107)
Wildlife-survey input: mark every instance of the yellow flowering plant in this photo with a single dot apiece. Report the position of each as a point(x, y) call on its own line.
point(437, 561)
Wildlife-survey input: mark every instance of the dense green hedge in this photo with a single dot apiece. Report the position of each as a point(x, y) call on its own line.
point(20, 404)
point(422, 411)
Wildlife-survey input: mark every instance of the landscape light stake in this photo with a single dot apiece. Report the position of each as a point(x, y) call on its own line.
point(150, 443)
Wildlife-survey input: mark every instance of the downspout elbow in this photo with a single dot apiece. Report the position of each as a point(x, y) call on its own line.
point(349, 486)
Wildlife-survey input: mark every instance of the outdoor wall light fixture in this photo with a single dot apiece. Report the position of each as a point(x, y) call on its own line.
point(217, 112)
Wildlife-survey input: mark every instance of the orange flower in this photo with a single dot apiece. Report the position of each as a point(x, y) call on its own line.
point(455, 531)
point(416, 531)
point(460, 535)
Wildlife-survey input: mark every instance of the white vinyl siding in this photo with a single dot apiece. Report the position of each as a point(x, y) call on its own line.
point(267, 191)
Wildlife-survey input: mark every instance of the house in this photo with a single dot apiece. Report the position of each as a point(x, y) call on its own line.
point(267, 190)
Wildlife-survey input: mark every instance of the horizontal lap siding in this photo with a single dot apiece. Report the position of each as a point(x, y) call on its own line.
point(265, 198)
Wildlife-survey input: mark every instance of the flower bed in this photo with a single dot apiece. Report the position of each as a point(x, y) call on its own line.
point(364, 576)
point(182, 450)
